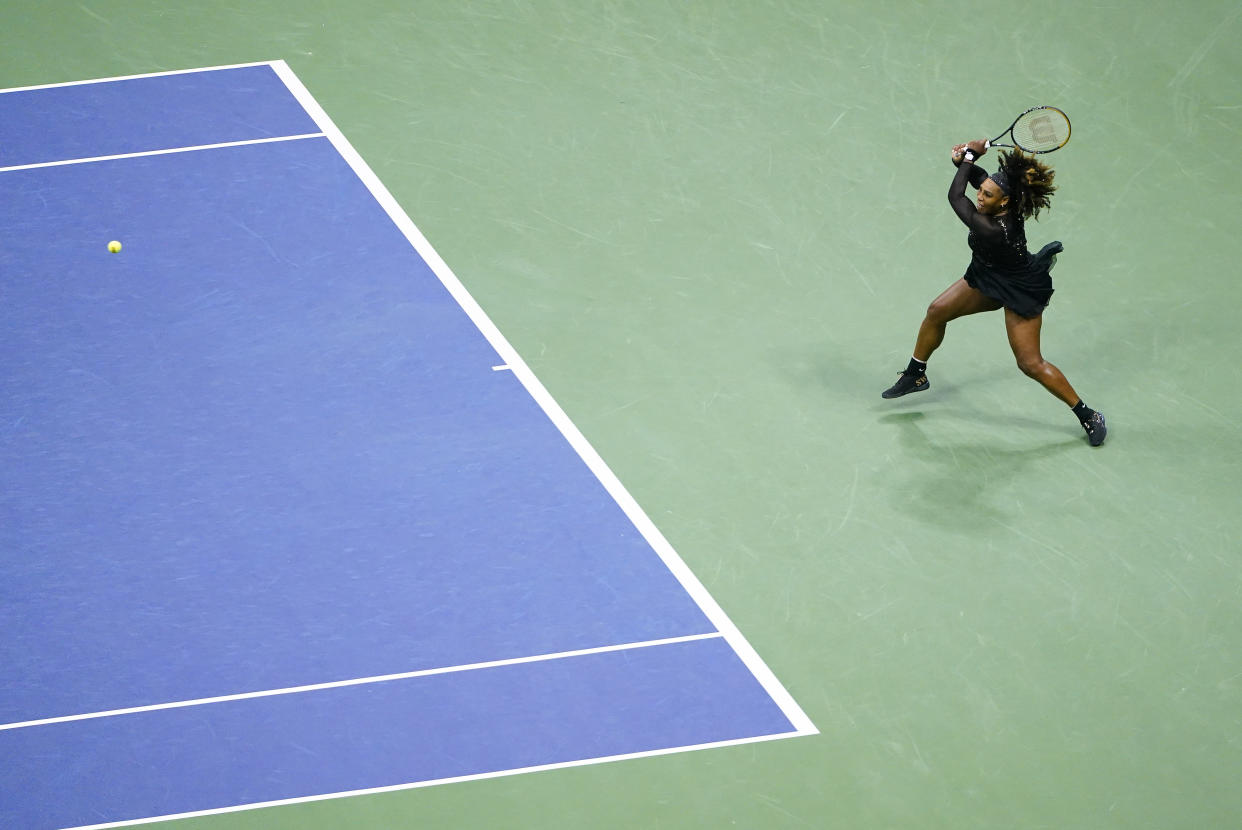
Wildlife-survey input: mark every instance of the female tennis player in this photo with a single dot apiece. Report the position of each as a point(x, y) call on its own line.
point(1002, 273)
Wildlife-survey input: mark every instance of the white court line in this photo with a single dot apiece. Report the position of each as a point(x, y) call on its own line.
point(362, 681)
point(136, 77)
point(604, 759)
point(513, 362)
point(164, 152)
point(577, 440)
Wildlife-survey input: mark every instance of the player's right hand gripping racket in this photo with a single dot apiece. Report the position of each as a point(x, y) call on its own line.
point(1038, 130)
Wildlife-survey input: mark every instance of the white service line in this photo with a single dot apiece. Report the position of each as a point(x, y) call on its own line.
point(164, 152)
point(361, 681)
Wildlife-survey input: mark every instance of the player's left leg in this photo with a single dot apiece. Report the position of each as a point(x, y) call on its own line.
point(1024, 340)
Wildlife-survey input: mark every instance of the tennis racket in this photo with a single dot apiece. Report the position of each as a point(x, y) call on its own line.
point(1038, 130)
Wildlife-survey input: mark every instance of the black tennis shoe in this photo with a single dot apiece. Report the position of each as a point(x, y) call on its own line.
point(907, 383)
point(1096, 430)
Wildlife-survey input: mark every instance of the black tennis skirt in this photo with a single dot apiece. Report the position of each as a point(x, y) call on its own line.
point(1026, 292)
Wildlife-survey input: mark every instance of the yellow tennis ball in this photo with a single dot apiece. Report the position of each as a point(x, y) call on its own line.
point(114, 247)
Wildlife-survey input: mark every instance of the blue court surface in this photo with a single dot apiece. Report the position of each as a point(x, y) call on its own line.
point(282, 515)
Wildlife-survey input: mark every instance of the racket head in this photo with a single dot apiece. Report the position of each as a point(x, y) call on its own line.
point(1038, 130)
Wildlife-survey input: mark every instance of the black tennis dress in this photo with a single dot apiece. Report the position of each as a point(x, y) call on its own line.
point(1001, 267)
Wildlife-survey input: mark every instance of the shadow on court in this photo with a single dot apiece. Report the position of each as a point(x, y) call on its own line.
point(853, 371)
point(957, 484)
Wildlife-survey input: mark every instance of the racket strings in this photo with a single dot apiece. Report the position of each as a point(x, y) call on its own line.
point(1041, 130)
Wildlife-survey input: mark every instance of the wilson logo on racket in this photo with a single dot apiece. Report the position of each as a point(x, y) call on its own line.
point(1038, 130)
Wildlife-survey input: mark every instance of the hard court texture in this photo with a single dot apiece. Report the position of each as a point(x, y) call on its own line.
point(711, 229)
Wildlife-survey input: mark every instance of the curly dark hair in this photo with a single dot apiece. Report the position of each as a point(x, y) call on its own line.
point(1030, 183)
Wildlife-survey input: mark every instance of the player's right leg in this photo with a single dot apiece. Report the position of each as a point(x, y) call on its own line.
point(958, 300)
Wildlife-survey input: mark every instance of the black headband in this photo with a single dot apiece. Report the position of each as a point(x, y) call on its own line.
point(1001, 180)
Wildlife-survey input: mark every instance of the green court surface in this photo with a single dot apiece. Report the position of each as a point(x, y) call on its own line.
point(711, 228)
